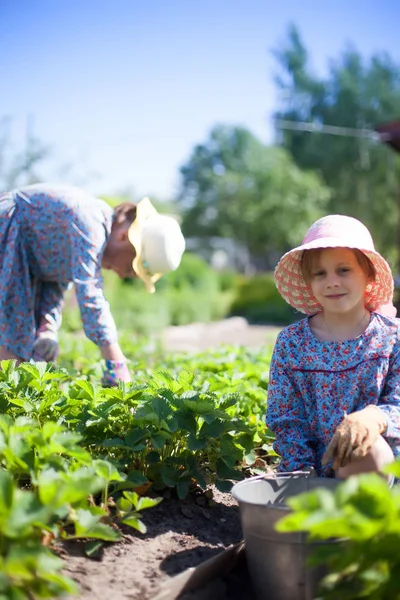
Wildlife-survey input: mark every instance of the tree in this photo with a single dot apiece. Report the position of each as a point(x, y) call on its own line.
point(234, 186)
point(362, 174)
point(19, 168)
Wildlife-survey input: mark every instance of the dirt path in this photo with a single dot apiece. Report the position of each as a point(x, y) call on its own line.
point(201, 336)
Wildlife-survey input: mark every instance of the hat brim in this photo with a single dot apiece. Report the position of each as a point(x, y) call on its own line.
point(297, 292)
point(144, 211)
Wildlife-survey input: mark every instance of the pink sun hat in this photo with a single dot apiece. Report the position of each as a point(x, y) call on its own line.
point(333, 231)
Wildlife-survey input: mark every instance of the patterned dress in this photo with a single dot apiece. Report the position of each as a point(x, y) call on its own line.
point(313, 383)
point(51, 236)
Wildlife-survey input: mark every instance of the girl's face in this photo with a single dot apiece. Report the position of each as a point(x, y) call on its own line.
point(338, 281)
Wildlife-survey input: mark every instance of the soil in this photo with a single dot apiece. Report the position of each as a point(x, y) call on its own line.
point(180, 534)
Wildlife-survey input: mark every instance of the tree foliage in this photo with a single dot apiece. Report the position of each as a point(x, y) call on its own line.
point(356, 93)
point(234, 186)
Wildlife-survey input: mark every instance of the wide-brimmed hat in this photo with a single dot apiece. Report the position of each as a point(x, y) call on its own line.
point(333, 231)
point(158, 242)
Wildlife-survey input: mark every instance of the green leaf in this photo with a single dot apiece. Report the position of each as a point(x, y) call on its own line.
point(195, 443)
point(135, 436)
point(223, 486)
point(26, 512)
point(17, 401)
point(85, 388)
point(136, 523)
point(246, 441)
point(199, 476)
point(136, 477)
point(212, 430)
point(200, 407)
point(173, 423)
point(251, 458)
point(226, 472)
point(132, 497)
point(36, 370)
point(113, 443)
point(158, 440)
point(7, 487)
point(161, 408)
point(187, 421)
point(88, 525)
point(190, 395)
point(145, 502)
point(49, 487)
point(124, 505)
point(230, 400)
point(169, 475)
point(153, 457)
point(183, 487)
point(107, 471)
point(93, 549)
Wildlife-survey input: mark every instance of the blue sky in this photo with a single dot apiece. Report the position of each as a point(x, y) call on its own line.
point(123, 90)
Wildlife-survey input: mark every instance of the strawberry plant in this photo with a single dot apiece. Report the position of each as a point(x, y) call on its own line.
point(27, 568)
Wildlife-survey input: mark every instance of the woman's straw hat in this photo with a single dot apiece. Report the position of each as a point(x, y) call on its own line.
point(158, 242)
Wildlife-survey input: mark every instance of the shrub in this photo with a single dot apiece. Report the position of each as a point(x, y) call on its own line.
point(258, 300)
point(193, 273)
point(191, 293)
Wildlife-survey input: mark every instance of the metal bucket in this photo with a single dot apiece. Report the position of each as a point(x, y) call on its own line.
point(277, 562)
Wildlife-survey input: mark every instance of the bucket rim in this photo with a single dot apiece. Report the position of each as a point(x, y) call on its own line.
point(271, 476)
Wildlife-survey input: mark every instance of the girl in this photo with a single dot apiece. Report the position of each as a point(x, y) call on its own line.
point(334, 387)
point(52, 236)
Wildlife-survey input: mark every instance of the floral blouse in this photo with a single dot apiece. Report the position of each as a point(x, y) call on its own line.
point(314, 383)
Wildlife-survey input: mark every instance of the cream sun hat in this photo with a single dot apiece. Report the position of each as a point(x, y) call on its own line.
point(158, 242)
point(333, 231)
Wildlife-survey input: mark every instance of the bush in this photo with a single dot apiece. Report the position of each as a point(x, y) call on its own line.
point(228, 280)
point(258, 300)
point(193, 273)
point(191, 293)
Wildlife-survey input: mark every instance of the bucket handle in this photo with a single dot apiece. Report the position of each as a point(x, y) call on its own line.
point(286, 475)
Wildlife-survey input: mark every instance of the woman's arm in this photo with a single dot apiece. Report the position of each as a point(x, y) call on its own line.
point(96, 316)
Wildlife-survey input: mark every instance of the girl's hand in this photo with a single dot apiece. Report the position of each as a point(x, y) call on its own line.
point(114, 372)
point(355, 436)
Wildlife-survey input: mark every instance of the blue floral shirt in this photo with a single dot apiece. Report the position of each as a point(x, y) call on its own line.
point(313, 383)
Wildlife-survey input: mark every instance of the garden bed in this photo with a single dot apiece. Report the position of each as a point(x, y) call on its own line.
point(81, 463)
point(180, 534)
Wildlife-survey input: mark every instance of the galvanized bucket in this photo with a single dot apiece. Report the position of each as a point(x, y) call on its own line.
point(277, 562)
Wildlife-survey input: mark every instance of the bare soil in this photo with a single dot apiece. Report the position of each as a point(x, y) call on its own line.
point(180, 534)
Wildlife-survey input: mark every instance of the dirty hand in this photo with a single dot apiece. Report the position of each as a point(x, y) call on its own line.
point(355, 436)
point(45, 347)
point(115, 371)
